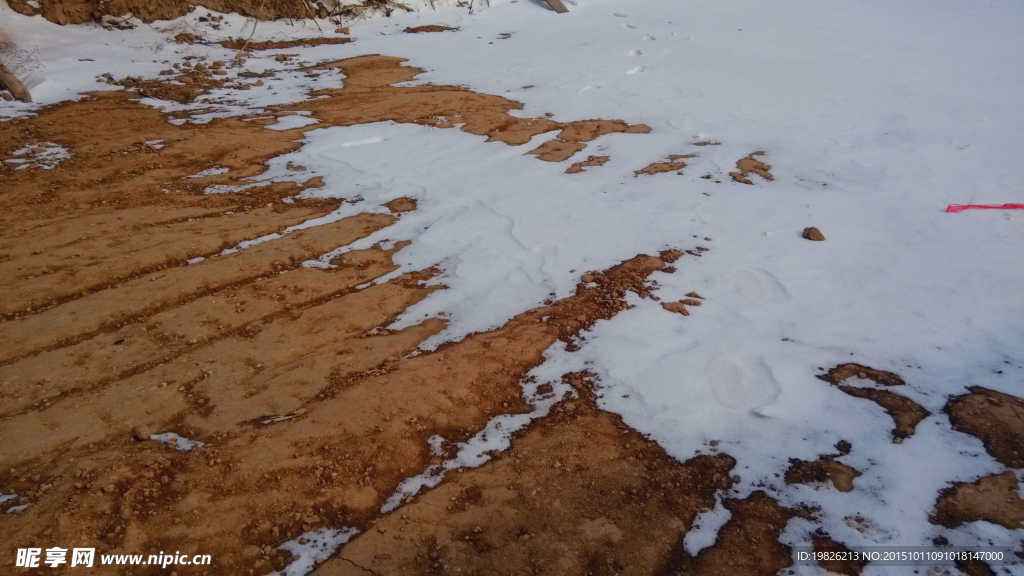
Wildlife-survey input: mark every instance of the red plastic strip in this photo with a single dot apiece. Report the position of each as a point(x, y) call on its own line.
point(962, 207)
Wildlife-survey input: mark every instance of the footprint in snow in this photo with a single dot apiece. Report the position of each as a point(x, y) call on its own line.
point(757, 284)
point(617, 15)
point(742, 384)
point(648, 37)
point(636, 70)
point(635, 53)
point(590, 89)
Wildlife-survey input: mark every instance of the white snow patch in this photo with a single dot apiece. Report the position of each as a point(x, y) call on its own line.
point(705, 528)
point(212, 171)
point(45, 155)
point(320, 545)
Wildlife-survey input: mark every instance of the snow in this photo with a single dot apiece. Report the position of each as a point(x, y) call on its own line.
point(297, 120)
point(45, 155)
point(320, 545)
point(211, 171)
point(874, 117)
point(179, 442)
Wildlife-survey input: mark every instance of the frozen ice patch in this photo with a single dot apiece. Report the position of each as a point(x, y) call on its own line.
point(705, 528)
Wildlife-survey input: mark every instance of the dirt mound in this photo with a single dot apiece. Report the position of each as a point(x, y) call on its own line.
point(123, 318)
point(578, 167)
point(748, 544)
point(79, 11)
point(311, 414)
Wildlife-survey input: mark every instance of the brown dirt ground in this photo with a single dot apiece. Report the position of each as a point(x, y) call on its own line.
point(578, 167)
point(751, 165)
point(104, 327)
point(992, 498)
point(823, 544)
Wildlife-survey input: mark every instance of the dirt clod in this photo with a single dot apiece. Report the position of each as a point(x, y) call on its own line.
point(905, 412)
point(751, 165)
point(676, 307)
point(812, 233)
